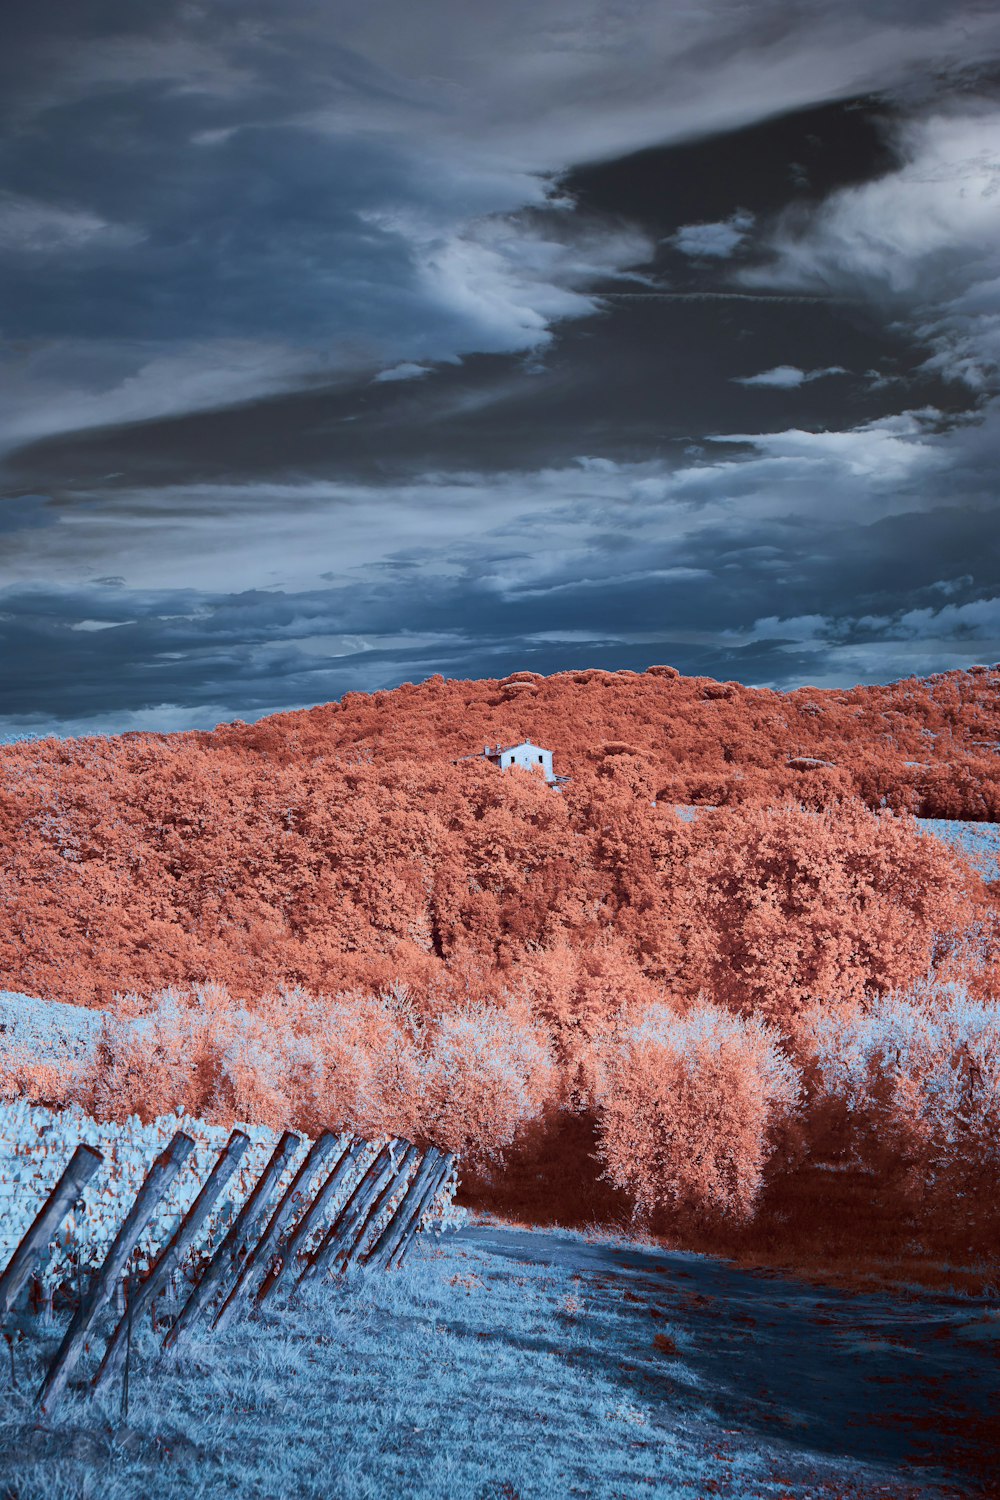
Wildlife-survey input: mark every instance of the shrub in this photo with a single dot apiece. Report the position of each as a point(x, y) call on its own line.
point(159, 1054)
point(788, 904)
point(364, 1063)
point(691, 1109)
point(353, 1062)
point(489, 1070)
point(916, 1078)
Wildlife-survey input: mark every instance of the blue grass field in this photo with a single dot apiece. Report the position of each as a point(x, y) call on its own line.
point(979, 843)
point(511, 1364)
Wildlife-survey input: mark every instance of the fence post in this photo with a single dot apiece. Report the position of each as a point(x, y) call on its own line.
point(257, 1263)
point(396, 1258)
point(377, 1251)
point(35, 1241)
point(159, 1177)
point(377, 1175)
point(241, 1228)
point(351, 1249)
point(426, 1180)
point(312, 1216)
point(170, 1256)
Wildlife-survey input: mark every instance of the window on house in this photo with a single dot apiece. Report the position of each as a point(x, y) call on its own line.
point(541, 760)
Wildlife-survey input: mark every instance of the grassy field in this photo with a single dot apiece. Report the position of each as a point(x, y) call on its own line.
point(507, 1364)
point(979, 843)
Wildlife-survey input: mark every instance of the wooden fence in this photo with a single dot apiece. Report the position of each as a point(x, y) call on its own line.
point(358, 1214)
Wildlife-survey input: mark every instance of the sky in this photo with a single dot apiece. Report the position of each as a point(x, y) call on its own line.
point(343, 344)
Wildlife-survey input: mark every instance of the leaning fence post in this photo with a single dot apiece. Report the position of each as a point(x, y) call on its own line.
point(79, 1170)
point(159, 1177)
point(377, 1251)
point(257, 1263)
point(396, 1258)
point(351, 1249)
point(425, 1180)
point(128, 1346)
point(170, 1256)
point(332, 1242)
point(224, 1259)
point(312, 1216)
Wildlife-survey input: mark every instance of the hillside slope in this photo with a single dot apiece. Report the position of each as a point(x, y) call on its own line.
point(780, 1012)
point(352, 845)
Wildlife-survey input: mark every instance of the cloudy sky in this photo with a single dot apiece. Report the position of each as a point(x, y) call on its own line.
point(344, 344)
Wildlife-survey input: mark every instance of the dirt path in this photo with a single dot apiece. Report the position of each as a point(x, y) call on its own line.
point(902, 1387)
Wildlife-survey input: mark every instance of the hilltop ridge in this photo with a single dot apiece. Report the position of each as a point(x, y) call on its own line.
point(930, 745)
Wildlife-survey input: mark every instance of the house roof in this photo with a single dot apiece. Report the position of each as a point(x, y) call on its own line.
point(521, 744)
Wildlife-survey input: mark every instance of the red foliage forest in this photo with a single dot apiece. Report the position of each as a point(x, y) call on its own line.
point(359, 921)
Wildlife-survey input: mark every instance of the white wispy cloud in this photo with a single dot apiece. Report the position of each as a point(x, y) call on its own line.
point(62, 385)
point(977, 619)
point(515, 532)
point(505, 282)
point(788, 377)
point(882, 452)
point(715, 241)
point(405, 371)
point(845, 645)
point(262, 596)
point(924, 238)
point(798, 629)
point(438, 129)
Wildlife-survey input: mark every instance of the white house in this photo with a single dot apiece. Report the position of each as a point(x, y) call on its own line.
point(526, 755)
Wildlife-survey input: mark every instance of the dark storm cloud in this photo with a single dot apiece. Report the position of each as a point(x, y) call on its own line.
point(118, 659)
point(361, 346)
point(581, 572)
point(232, 201)
point(24, 513)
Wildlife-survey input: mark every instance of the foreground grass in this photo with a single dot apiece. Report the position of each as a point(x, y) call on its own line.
point(496, 1366)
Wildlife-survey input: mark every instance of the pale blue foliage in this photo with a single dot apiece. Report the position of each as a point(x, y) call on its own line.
point(933, 1047)
point(706, 1025)
point(705, 1029)
point(47, 1030)
point(478, 1058)
point(978, 843)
